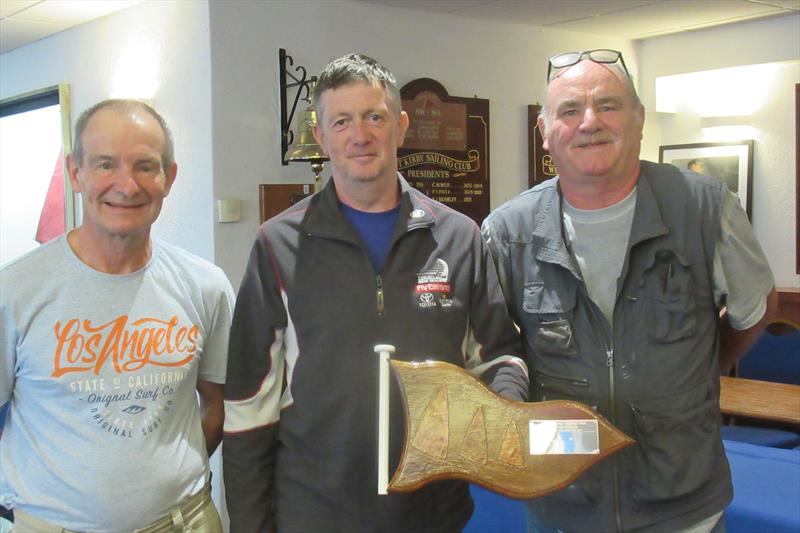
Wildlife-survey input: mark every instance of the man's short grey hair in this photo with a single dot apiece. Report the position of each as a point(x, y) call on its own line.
point(123, 105)
point(356, 68)
point(616, 67)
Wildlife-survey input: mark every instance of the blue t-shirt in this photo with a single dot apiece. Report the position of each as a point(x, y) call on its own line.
point(375, 229)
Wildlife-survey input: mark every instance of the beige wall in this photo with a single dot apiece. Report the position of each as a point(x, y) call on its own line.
point(772, 126)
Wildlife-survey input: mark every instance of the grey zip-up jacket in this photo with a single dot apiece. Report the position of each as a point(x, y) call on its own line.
point(301, 395)
point(654, 374)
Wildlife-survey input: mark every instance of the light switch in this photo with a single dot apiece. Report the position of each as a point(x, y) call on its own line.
point(229, 210)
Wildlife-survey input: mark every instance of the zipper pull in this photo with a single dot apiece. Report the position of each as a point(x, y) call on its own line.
point(609, 357)
point(379, 294)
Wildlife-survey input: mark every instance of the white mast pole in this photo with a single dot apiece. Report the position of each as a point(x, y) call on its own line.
point(384, 352)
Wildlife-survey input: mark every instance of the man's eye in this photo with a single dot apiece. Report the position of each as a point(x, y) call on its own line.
point(569, 113)
point(375, 117)
point(608, 107)
point(105, 165)
point(339, 123)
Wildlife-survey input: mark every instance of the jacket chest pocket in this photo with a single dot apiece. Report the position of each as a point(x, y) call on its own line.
point(668, 292)
point(547, 318)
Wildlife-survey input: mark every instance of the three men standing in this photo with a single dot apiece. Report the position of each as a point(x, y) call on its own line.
point(615, 272)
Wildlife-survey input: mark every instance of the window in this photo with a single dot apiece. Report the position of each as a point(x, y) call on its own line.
point(36, 201)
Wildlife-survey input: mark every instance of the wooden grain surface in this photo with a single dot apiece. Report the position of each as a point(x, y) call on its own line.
point(457, 428)
point(765, 400)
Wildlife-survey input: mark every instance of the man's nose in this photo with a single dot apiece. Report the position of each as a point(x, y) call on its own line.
point(590, 120)
point(360, 132)
point(125, 181)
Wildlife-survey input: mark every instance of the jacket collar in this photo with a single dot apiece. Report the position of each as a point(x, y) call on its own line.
point(647, 220)
point(324, 218)
point(552, 248)
point(547, 231)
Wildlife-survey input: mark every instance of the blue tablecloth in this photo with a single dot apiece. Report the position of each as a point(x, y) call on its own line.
point(766, 489)
point(495, 513)
point(766, 485)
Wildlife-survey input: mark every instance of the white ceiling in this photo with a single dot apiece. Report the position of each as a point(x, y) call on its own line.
point(627, 19)
point(25, 21)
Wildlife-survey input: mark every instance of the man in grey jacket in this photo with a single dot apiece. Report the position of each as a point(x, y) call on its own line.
point(616, 272)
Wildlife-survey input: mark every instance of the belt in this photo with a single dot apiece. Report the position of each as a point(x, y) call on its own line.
point(172, 522)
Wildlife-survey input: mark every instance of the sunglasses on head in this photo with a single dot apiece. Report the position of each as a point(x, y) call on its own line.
point(567, 59)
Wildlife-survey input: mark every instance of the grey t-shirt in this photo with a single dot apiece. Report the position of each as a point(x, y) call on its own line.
point(598, 239)
point(742, 278)
point(104, 429)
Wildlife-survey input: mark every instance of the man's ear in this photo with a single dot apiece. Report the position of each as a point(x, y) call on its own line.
point(170, 173)
point(72, 171)
point(319, 136)
point(640, 114)
point(542, 130)
point(403, 128)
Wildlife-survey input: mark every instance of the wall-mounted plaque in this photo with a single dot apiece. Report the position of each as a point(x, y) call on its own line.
point(446, 151)
point(540, 165)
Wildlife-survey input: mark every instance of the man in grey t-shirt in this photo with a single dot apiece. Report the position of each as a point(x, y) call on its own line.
point(616, 272)
point(107, 336)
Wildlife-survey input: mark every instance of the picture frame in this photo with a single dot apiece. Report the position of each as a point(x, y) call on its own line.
point(540, 165)
point(729, 162)
point(797, 176)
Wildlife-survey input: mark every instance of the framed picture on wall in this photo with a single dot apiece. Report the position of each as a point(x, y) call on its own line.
point(540, 165)
point(729, 162)
point(797, 176)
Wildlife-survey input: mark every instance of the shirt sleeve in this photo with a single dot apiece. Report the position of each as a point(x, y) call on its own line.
point(742, 276)
point(494, 347)
point(8, 353)
point(252, 394)
point(213, 364)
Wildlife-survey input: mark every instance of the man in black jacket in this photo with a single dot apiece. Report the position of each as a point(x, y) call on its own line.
point(366, 261)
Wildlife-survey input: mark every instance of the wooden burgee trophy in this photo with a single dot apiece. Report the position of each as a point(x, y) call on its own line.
point(457, 428)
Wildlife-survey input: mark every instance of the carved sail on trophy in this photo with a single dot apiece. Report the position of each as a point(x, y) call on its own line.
point(457, 428)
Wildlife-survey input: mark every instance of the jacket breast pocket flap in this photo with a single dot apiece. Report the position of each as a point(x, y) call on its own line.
point(549, 311)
